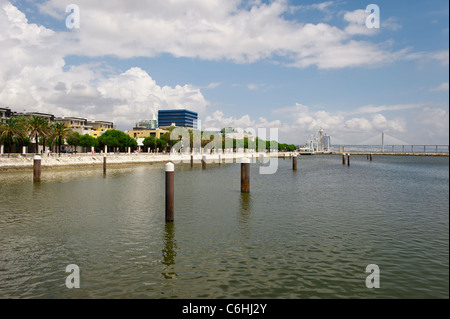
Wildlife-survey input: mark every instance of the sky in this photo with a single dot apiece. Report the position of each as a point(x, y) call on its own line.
point(296, 66)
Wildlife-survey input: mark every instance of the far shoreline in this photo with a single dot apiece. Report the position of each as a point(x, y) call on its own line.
point(24, 163)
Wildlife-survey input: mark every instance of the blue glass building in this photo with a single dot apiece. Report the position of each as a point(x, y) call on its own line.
point(183, 118)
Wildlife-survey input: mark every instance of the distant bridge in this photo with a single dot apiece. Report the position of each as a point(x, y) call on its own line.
point(390, 149)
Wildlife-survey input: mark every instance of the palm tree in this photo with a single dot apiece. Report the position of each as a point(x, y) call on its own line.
point(37, 126)
point(46, 132)
point(13, 128)
point(60, 132)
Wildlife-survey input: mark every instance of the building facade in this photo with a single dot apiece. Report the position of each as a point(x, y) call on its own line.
point(146, 125)
point(5, 114)
point(146, 133)
point(180, 118)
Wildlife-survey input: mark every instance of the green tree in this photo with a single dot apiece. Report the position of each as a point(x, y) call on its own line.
point(87, 141)
point(150, 142)
point(161, 144)
point(13, 128)
point(37, 126)
point(130, 142)
point(60, 132)
point(73, 139)
point(166, 141)
point(116, 139)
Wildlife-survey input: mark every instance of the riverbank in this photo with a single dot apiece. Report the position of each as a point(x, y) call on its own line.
point(19, 162)
point(394, 153)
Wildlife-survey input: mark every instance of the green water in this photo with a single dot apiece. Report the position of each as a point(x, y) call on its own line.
point(304, 234)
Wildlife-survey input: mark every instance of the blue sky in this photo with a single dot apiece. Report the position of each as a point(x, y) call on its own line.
point(292, 65)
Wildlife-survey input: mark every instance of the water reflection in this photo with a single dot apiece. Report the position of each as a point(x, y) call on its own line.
point(244, 215)
point(169, 252)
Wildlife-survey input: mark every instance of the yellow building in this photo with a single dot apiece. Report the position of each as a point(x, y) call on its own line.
point(145, 133)
point(96, 133)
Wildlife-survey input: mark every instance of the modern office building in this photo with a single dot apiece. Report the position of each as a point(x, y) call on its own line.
point(180, 118)
point(146, 125)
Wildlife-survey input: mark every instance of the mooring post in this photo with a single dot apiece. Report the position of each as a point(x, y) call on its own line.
point(343, 158)
point(220, 159)
point(104, 164)
point(294, 162)
point(204, 161)
point(245, 175)
point(371, 157)
point(348, 159)
point(37, 169)
point(192, 160)
point(170, 195)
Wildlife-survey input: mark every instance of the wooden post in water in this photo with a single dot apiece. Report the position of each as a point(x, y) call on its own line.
point(37, 169)
point(245, 175)
point(261, 158)
point(343, 158)
point(371, 157)
point(170, 194)
point(220, 159)
point(348, 159)
point(204, 161)
point(104, 164)
point(294, 162)
point(192, 160)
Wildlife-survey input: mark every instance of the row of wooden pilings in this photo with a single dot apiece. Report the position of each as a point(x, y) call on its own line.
point(245, 180)
point(169, 171)
point(369, 157)
point(37, 168)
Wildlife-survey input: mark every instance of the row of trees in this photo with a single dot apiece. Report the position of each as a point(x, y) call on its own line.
point(218, 139)
point(19, 131)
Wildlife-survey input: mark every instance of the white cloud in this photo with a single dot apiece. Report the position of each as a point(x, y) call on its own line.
point(218, 120)
point(382, 108)
point(357, 23)
point(216, 30)
point(213, 85)
point(434, 123)
point(342, 126)
point(440, 88)
point(424, 57)
point(390, 23)
point(35, 79)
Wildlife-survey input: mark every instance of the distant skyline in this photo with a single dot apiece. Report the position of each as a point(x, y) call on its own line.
point(292, 65)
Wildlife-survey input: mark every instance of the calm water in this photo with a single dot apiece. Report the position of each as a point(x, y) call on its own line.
point(304, 234)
